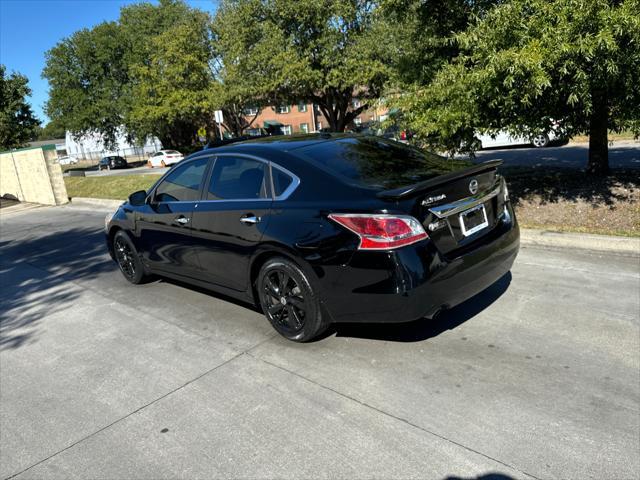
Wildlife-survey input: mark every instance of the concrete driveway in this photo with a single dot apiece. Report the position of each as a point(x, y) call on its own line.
point(537, 377)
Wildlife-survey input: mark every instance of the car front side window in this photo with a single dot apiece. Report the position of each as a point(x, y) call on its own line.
point(183, 183)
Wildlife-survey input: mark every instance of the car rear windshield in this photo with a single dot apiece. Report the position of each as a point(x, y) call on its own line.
point(172, 152)
point(374, 162)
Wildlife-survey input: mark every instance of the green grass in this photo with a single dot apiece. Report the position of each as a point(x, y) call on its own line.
point(116, 187)
point(613, 137)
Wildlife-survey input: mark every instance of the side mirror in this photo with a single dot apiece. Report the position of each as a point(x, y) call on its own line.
point(138, 198)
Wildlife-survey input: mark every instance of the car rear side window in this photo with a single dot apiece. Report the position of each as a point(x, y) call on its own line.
point(183, 183)
point(281, 181)
point(235, 178)
point(377, 163)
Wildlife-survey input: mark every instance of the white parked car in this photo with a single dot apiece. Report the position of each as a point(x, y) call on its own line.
point(67, 160)
point(504, 139)
point(164, 158)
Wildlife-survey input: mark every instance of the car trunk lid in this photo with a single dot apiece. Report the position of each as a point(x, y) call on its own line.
point(457, 208)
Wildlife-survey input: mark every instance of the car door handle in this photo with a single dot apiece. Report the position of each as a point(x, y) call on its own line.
point(249, 219)
point(182, 220)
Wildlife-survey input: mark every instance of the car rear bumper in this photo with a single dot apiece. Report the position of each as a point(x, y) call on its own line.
point(417, 281)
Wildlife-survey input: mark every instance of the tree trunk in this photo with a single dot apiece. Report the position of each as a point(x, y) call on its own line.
point(338, 114)
point(598, 143)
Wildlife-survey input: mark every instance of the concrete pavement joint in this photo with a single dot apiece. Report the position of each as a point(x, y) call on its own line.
point(390, 415)
point(139, 409)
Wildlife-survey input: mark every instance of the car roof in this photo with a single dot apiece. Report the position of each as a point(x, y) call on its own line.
point(278, 143)
point(289, 142)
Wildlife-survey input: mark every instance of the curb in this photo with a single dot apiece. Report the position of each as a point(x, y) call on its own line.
point(96, 202)
point(582, 241)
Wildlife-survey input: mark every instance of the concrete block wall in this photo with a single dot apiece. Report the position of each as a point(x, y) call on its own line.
point(55, 177)
point(33, 175)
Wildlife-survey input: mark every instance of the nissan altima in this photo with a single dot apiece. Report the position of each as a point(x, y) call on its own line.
point(323, 228)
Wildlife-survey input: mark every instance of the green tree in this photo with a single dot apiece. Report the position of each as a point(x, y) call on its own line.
point(423, 31)
point(87, 78)
point(172, 90)
point(17, 122)
point(327, 52)
point(246, 79)
point(531, 63)
point(52, 130)
point(96, 75)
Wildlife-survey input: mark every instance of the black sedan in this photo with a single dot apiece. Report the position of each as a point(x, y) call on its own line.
point(112, 162)
point(322, 228)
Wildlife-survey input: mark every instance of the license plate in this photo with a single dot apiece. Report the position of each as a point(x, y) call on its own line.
point(473, 220)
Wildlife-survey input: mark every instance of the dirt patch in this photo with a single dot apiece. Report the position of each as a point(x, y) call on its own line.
point(569, 200)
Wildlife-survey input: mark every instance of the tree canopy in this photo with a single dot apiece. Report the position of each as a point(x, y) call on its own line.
point(532, 65)
point(454, 68)
point(172, 90)
point(87, 81)
point(250, 63)
point(17, 123)
point(147, 72)
point(326, 52)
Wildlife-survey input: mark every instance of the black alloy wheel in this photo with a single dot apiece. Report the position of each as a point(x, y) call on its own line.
point(127, 258)
point(288, 301)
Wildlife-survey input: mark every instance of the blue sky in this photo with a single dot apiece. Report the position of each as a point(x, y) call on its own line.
point(28, 28)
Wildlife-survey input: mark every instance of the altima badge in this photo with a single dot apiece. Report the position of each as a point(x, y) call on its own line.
point(473, 186)
point(429, 200)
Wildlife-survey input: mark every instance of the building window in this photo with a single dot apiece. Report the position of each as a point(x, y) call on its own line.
point(357, 121)
point(319, 125)
point(302, 107)
point(356, 103)
point(286, 129)
point(304, 127)
point(282, 109)
point(251, 111)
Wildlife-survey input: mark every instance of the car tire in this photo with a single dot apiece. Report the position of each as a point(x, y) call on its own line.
point(289, 301)
point(541, 140)
point(128, 259)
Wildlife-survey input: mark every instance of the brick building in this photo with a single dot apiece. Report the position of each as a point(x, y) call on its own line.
point(300, 118)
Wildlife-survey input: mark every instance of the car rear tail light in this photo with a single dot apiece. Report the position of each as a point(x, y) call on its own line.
point(382, 231)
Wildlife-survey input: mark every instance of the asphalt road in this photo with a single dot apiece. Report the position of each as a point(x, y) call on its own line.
point(623, 154)
point(126, 171)
point(537, 377)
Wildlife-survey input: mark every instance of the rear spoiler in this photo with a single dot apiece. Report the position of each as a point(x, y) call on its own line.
point(410, 190)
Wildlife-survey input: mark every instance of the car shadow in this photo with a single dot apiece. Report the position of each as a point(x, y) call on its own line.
point(210, 293)
point(424, 329)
